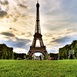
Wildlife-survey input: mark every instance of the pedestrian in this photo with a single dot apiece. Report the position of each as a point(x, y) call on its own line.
point(40, 57)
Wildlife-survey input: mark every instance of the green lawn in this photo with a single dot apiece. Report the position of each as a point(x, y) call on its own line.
point(36, 68)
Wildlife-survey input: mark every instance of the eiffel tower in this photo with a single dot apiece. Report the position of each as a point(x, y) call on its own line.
point(37, 36)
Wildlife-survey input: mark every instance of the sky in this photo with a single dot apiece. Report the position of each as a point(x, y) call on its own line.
point(58, 21)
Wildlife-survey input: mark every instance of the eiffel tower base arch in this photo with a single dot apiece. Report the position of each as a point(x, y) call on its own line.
point(37, 49)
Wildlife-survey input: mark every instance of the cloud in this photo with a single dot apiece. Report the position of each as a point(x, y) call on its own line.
point(22, 6)
point(25, 41)
point(8, 34)
point(55, 39)
point(61, 40)
point(4, 2)
point(54, 34)
point(20, 50)
point(17, 43)
point(12, 29)
point(3, 13)
point(70, 7)
point(20, 34)
point(28, 34)
point(65, 39)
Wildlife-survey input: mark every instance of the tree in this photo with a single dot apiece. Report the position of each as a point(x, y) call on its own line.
point(68, 51)
point(6, 52)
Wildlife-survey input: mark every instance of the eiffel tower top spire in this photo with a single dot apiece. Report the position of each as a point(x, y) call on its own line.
point(37, 1)
point(37, 29)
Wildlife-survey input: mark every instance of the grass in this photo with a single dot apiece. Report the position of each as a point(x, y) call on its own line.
point(36, 68)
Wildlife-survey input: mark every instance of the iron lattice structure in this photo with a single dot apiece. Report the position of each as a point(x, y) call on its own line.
point(37, 36)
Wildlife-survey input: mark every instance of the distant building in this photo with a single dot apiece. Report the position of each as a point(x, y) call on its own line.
point(19, 56)
point(53, 56)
